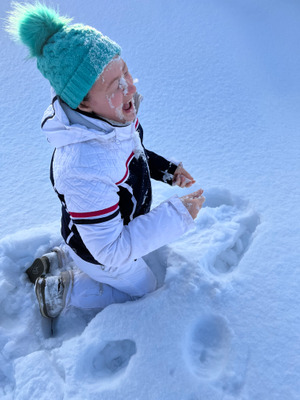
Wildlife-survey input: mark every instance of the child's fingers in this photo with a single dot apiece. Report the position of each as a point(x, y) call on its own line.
point(176, 180)
point(186, 182)
point(180, 180)
point(202, 199)
point(193, 204)
point(197, 193)
point(181, 170)
point(189, 183)
point(186, 174)
point(183, 181)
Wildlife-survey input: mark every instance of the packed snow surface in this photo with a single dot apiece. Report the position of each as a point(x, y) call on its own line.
point(221, 87)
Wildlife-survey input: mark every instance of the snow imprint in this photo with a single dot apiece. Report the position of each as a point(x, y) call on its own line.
point(224, 231)
point(236, 242)
point(105, 360)
point(208, 347)
point(114, 357)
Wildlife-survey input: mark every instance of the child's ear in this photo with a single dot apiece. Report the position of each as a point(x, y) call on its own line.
point(85, 106)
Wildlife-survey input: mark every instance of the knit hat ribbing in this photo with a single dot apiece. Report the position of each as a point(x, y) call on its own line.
point(71, 57)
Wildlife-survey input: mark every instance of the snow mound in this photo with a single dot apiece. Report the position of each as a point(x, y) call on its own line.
point(94, 353)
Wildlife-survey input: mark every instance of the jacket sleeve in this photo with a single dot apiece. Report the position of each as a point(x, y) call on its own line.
point(111, 243)
point(102, 230)
point(160, 168)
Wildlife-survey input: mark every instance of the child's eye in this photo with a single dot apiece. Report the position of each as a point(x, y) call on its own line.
point(116, 85)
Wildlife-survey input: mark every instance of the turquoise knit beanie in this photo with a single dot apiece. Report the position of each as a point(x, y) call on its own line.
point(71, 57)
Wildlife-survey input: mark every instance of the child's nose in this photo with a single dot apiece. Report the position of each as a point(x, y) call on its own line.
point(131, 88)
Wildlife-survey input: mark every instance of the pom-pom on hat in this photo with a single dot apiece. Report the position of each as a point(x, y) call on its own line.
point(71, 57)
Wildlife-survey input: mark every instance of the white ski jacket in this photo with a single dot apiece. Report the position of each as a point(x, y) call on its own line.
point(101, 174)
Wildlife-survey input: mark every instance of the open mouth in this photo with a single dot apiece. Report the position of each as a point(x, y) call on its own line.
point(128, 106)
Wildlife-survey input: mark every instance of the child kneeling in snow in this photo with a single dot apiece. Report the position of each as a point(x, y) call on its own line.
point(100, 169)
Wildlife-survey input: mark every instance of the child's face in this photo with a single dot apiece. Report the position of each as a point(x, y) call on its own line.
point(111, 96)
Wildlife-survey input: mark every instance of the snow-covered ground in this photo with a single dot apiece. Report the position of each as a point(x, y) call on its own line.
point(221, 88)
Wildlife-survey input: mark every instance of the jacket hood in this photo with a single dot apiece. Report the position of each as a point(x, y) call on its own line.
point(64, 126)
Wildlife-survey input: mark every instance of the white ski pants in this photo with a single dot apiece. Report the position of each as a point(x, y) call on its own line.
point(97, 287)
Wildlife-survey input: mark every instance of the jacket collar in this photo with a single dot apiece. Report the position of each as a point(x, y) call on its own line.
point(64, 126)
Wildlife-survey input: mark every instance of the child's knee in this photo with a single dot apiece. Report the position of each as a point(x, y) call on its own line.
point(151, 281)
point(141, 279)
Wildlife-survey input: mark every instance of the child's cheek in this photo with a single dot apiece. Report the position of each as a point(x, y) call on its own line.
point(116, 99)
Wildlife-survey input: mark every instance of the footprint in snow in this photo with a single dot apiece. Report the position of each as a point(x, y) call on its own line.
point(105, 360)
point(208, 346)
point(231, 223)
point(113, 357)
point(237, 237)
point(224, 231)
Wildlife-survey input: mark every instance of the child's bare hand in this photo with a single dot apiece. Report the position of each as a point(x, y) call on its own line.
point(182, 178)
point(193, 202)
